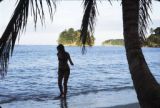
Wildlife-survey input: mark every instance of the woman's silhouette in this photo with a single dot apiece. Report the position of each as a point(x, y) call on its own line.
point(63, 69)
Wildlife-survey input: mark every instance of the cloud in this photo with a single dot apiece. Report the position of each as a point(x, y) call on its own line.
point(69, 14)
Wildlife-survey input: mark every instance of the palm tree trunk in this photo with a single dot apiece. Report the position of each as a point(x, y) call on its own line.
point(146, 86)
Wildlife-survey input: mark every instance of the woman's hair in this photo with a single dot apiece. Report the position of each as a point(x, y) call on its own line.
point(60, 47)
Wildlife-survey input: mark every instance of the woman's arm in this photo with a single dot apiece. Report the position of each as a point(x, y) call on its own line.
point(69, 58)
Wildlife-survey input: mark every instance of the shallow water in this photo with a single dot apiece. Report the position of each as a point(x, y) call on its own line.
point(32, 73)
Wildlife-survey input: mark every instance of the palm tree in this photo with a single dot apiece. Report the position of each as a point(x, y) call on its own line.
point(134, 27)
point(147, 88)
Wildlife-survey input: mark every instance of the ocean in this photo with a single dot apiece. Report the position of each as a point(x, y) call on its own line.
point(32, 73)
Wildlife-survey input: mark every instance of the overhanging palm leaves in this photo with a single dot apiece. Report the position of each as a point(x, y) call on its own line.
point(88, 22)
point(144, 17)
point(19, 20)
point(88, 19)
point(7, 41)
point(17, 24)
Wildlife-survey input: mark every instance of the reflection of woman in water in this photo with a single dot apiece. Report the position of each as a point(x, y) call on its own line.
point(63, 69)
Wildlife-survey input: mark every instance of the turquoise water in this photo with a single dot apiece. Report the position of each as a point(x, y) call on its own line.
point(32, 73)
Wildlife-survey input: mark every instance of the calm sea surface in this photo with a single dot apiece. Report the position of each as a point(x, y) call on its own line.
point(32, 73)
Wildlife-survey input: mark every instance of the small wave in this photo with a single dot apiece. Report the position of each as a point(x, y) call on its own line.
point(122, 88)
point(22, 97)
point(116, 89)
point(50, 96)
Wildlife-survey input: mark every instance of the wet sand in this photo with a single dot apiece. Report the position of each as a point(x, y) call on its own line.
point(133, 105)
point(90, 100)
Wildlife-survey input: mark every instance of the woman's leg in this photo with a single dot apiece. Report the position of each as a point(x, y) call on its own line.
point(66, 76)
point(60, 77)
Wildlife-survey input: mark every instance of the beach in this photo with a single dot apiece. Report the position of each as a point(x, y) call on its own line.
point(33, 105)
point(88, 100)
point(133, 105)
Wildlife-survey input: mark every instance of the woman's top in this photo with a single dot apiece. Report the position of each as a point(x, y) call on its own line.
point(63, 58)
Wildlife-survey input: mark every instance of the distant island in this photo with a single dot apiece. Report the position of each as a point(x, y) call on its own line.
point(71, 37)
point(118, 42)
point(153, 40)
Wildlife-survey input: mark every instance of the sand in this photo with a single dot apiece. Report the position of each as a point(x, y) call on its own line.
point(90, 100)
point(133, 105)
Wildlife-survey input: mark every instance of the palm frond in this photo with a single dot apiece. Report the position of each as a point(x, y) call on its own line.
point(144, 17)
point(88, 22)
point(37, 9)
point(17, 24)
point(7, 41)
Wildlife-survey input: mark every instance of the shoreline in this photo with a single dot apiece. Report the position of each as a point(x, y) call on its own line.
point(63, 104)
point(131, 105)
point(80, 46)
point(90, 100)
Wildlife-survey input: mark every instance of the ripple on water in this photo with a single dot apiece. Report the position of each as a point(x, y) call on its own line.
point(33, 72)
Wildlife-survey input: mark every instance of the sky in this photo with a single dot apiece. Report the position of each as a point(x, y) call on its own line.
point(69, 14)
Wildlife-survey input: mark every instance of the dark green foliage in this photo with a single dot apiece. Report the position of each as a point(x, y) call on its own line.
point(157, 31)
point(154, 39)
point(113, 42)
point(72, 37)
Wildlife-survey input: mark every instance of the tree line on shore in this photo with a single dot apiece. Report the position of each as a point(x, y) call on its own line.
point(153, 40)
point(71, 37)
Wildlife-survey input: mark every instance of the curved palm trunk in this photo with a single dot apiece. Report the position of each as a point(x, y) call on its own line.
point(147, 88)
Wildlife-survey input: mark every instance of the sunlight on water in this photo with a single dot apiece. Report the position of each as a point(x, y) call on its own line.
point(33, 72)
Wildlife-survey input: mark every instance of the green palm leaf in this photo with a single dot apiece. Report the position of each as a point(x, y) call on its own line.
point(88, 22)
point(144, 17)
point(7, 41)
point(17, 24)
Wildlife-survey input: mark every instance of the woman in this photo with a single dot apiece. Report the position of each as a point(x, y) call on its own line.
point(63, 69)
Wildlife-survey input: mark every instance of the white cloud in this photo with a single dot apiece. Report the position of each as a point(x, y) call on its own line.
point(69, 14)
